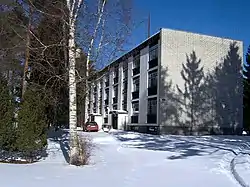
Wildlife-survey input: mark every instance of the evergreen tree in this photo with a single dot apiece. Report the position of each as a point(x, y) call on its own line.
point(7, 126)
point(32, 134)
point(229, 90)
point(246, 100)
point(246, 66)
point(193, 76)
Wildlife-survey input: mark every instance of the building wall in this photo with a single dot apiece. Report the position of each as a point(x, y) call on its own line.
point(144, 58)
point(129, 96)
point(175, 45)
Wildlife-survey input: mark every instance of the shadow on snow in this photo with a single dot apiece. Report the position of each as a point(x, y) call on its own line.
point(186, 146)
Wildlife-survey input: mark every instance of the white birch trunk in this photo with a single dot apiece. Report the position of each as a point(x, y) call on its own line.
point(73, 7)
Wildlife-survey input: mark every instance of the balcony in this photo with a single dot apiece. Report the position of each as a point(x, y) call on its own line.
point(134, 119)
point(136, 71)
point(115, 80)
point(135, 95)
point(152, 90)
point(153, 63)
point(151, 118)
point(115, 100)
point(106, 101)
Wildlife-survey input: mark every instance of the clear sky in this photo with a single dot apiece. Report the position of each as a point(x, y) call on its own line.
point(222, 18)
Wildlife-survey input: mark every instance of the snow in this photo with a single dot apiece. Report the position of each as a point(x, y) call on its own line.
point(127, 159)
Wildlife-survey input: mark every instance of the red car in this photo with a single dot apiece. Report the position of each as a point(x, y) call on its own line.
point(91, 127)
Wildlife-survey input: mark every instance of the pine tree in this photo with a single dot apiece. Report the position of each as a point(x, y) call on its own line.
point(32, 135)
point(193, 76)
point(7, 126)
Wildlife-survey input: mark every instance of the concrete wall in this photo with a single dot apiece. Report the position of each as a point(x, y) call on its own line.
point(211, 50)
point(143, 104)
point(129, 95)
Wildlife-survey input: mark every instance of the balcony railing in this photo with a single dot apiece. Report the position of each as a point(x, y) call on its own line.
point(152, 90)
point(136, 71)
point(135, 95)
point(151, 118)
point(153, 63)
point(134, 119)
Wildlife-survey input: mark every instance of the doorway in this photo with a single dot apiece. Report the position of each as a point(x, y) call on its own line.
point(114, 121)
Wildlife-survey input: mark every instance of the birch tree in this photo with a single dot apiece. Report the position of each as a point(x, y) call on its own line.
point(73, 8)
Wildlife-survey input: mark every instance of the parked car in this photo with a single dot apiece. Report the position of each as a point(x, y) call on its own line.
point(91, 127)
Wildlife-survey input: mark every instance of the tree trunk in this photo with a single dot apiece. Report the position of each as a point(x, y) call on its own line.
point(27, 54)
point(72, 95)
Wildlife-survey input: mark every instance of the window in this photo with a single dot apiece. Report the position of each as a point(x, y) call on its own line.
point(107, 80)
point(153, 52)
point(115, 91)
point(125, 86)
point(136, 84)
point(136, 62)
point(152, 106)
point(135, 106)
point(152, 78)
point(116, 71)
point(124, 106)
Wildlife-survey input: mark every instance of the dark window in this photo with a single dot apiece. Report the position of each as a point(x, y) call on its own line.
point(107, 80)
point(124, 106)
point(134, 119)
point(135, 106)
point(152, 106)
point(106, 120)
point(125, 86)
point(114, 107)
point(115, 91)
point(136, 61)
point(152, 78)
point(125, 70)
point(116, 74)
point(153, 52)
point(136, 84)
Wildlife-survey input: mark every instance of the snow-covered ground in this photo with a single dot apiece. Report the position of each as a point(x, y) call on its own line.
point(126, 159)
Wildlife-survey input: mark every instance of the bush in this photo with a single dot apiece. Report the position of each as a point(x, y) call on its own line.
point(7, 126)
point(83, 151)
point(32, 127)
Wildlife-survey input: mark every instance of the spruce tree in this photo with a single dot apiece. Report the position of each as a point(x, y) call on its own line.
point(192, 75)
point(246, 100)
point(246, 66)
point(32, 129)
point(7, 126)
point(228, 84)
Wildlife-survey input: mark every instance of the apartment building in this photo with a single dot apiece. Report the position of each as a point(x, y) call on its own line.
point(143, 89)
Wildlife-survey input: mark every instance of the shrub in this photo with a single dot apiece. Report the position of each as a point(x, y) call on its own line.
point(83, 151)
point(32, 128)
point(7, 126)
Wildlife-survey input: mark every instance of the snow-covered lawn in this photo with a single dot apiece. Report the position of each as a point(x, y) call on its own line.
point(126, 159)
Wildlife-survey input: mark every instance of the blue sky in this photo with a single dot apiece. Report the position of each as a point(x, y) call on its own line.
point(223, 18)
